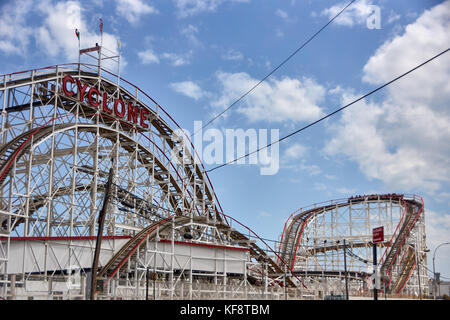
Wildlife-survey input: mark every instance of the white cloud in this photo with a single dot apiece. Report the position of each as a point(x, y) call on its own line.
point(294, 158)
point(188, 88)
point(403, 140)
point(301, 165)
point(320, 186)
point(190, 32)
point(393, 16)
point(132, 10)
point(281, 13)
point(363, 135)
point(295, 151)
point(422, 39)
point(186, 8)
point(274, 100)
point(57, 37)
point(8, 47)
point(346, 191)
point(98, 3)
point(148, 56)
point(14, 31)
point(437, 226)
point(177, 60)
point(442, 196)
point(233, 55)
point(311, 169)
point(356, 13)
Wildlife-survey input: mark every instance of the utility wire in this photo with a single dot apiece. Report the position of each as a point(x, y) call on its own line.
point(332, 113)
point(431, 271)
point(278, 67)
point(155, 206)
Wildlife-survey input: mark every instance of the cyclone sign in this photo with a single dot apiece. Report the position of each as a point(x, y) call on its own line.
point(124, 110)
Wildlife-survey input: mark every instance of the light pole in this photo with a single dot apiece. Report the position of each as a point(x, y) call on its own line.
point(345, 270)
point(98, 243)
point(434, 269)
point(146, 283)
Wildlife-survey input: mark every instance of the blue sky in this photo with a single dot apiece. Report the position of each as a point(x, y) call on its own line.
point(195, 57)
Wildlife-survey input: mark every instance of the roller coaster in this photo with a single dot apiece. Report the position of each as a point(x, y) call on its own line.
point(315, 240)
point(64, 127)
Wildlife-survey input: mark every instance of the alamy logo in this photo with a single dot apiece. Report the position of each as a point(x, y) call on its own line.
point(216, 147)
point(73, 281)
point(373, 21)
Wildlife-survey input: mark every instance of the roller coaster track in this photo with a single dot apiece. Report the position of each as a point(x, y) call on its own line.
point(130, 250)
point(193, 171)
point(413, 209)
point(297, 222)
point(17, 147)
point(407, 268)
point(292, 233)
point(46, 95)
point(124, 197)
point(17, 151)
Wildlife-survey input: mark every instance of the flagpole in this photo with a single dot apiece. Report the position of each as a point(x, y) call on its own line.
point(101, 32)
point(79, 55)
point(118, 61)
point(101, 45)
point(77, 33)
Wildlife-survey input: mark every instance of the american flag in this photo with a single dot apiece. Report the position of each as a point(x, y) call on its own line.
point(101, 26)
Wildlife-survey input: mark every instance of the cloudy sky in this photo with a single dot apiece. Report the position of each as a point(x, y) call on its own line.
point(196, 57)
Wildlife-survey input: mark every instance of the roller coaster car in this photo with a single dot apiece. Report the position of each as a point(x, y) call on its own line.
point(375, 197)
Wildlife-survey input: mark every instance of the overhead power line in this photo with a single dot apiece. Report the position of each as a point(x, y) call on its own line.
point(278, 67)
point(334, 112)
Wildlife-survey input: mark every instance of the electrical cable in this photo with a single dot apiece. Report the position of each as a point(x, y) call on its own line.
point(166, 210)
point(278, 67)
point(431, 271)
point(332, 113)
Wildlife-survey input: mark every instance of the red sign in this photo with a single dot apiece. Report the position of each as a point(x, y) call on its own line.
point(97, 48)
point(125, 110)
point(378, 234)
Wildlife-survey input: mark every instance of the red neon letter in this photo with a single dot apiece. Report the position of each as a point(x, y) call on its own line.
point(66, 79)
point(132, 112)
point(105, 103)
point(144, 112)
point(81, 90)
point(92, 101)
point(122, 112)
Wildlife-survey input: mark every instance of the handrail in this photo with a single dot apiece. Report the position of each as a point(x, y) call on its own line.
point(407, 278)
point(268, 246)
point(394, 234)
point(342, 201)
point(415, 198)
point(403, 240)
point(282, 235)
point(153, 227)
